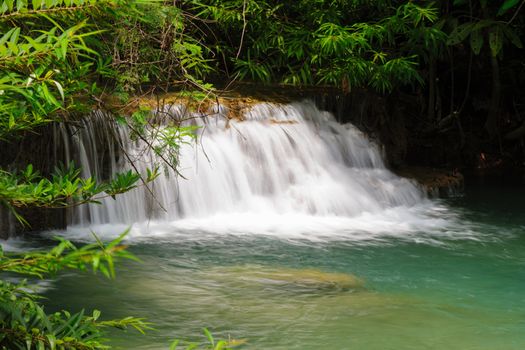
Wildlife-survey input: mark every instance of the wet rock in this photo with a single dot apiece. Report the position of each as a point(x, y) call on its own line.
point(436, 182)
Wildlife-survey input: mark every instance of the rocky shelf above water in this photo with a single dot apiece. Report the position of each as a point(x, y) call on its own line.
point(436, 182)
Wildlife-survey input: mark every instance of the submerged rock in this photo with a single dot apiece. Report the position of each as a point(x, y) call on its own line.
point(294, 278)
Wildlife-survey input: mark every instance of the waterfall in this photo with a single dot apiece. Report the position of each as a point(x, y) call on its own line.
point(273, 165)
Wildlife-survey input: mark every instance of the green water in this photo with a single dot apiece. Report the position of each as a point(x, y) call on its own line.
point(449, 294)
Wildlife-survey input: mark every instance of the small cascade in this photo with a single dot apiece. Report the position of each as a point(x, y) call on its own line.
point(278, 160)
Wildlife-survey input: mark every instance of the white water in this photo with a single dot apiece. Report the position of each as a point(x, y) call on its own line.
point(289, 171)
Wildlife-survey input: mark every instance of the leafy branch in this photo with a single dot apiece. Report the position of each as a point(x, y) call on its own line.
point(23, 321)
point(65, 188)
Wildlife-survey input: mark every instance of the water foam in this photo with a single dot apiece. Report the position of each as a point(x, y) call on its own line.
point(287, 171)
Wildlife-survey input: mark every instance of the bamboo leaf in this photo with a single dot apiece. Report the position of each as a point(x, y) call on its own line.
point(21, 5)
point(36, 4)
point(3, 8)
point(9, 4)
point(49, 96)
point(209, 336)
point(63, 47)
point(14, 36)
point(60, 89)
point(174, 344)
point(6, 36)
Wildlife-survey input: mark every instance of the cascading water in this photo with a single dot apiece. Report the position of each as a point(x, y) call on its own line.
point(283, 170)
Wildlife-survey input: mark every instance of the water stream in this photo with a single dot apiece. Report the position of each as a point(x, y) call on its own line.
point(290, 232)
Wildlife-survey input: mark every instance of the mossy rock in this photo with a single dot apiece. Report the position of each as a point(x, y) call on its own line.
point(291, 278)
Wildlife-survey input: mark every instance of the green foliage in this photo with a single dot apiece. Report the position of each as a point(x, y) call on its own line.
point(497, 33)
point(323, 42)
point(169, 139)
point(24, 324)
point(164, 138)
point(48, 68)
point(307, 42)
point(98, 256)
point(487, 30)
point(20, 7)
point(64, 188)
point(148, 42)
point(51, 58)
point(39, 75)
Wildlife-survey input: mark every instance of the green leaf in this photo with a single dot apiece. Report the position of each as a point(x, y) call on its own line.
point(476, 41)
point(484, 23)
point(507, 5)
point(118, 240)
point(459, 33)
point(152, 174)
point(49, 96)
point(15, 35)
point(495, 41)
point(209, 336)
point(105, 271)
point(10, 4)
point(36, 4)
point(221, 345)
point(63, 47)
point(3, 8)
point(6, 36)
point(21, 5)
